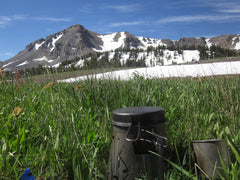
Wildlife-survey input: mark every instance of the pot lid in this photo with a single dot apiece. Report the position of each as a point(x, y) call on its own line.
point(133, 115)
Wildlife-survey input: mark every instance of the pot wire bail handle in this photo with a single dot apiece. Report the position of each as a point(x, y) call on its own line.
point(138, 133)
point(161, 140)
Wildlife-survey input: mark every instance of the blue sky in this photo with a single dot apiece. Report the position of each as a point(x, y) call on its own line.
point(23, 21)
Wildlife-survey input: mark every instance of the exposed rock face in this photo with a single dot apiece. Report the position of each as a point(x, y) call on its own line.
point(227, 41)
point(76, 41)
point(132, 41)
point(67, 44)
point(117, 36)
point(189, 42)
point(168, 42)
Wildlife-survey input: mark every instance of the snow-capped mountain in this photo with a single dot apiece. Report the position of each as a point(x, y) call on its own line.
point(77, 41)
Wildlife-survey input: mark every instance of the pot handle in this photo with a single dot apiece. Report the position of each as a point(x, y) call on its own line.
point(138, 133)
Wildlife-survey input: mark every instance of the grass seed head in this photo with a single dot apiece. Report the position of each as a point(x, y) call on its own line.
point(17, 87)
point(17, 111)
point(17, 75)
point(201, 79)
point(79, 87)
point(2, 73)
point(49, 85)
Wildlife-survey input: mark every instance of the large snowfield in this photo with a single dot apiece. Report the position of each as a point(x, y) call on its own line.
point(187, 70)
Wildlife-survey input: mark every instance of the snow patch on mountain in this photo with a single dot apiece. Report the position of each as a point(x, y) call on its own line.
point(54, 40)
point(191, 55)
point(22, 64)
point(111, 55)
point(125, 57)
point(151, 59)
point(110, 42)
point(38, 45)
point(233, 40)
point(237, 45)
point(44, 58)
point(56, 65)
point(117, 40)
point(151, 42)
point(50, 61)
point(209, 44)
point(80, 63)
point(5, 65)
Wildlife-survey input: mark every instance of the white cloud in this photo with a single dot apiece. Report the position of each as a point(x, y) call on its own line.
point(6, 55)
point(125, 8)
point(134, 23)
point(87, 9)
point(236, 10)
point(4, 20)
point(225, 6)
point(19, 17)
point(233, 9)
point(199, 18)
point(52, 19)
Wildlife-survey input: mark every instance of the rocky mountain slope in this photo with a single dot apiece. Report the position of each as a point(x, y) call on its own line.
point(77, 41)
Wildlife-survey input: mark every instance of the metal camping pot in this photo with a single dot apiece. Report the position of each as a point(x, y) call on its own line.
point(136, 132)
point(209, 154)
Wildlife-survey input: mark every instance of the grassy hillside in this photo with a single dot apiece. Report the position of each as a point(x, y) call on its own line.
point(63, 130)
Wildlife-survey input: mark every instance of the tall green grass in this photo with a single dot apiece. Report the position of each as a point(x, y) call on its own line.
point(63, 131)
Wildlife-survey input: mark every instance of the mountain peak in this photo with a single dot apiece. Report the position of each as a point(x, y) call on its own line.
point(76, 27)
point(77, 41)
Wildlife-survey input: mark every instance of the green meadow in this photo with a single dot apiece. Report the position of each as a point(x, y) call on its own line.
point(63, 130)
